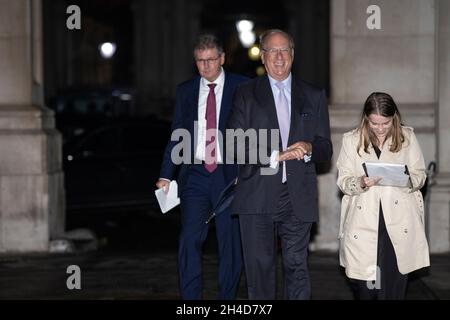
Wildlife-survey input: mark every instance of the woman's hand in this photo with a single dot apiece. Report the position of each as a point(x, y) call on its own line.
point(367, 182)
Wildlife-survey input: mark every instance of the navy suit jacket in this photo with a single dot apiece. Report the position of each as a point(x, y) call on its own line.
point(254, 107)
point(186, 113)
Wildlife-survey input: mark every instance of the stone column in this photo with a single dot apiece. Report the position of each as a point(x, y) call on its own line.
point(439, 202)
point(31, 178)
point(399, 59)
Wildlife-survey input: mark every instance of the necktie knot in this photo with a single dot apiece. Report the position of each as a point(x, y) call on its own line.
point(211, 86)
point(280, 85)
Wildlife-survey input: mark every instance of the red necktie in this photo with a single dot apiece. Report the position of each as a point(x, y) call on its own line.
point(211, 126)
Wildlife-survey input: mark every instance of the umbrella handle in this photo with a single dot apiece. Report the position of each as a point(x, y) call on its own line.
point(210, 218)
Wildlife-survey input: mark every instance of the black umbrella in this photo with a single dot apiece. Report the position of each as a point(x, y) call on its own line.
point(225, 198)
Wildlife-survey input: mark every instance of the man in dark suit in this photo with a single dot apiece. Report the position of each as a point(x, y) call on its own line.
point(284, 204)
point(202, 109)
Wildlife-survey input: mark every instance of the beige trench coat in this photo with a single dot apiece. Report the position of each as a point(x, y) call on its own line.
point(403, 209)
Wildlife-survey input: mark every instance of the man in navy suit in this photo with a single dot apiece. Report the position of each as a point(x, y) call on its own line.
point(284, 204)
point(202, 108)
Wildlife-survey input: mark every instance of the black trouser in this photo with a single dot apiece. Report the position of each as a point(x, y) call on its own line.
point(390, 284)
point(200, 194)
point(259, 240)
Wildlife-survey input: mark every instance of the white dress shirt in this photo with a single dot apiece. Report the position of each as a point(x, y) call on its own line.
point(287, 92)
point(202, 98)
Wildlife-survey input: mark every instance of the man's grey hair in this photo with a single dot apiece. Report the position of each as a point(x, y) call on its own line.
point(208, 41)
point(268, 33)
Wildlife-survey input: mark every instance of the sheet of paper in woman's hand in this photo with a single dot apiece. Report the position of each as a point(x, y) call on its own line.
point(170, 199)
point(392, 174)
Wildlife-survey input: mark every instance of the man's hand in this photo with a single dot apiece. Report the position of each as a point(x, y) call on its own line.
point(163, 184)
point(296, 151)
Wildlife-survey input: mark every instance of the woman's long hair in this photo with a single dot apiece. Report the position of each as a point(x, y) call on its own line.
point(382, 104)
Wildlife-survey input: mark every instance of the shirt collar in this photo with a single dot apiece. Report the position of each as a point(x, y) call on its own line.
point(287, 82)
point(219, 81)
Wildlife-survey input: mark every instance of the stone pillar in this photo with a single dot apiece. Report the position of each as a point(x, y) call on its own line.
point(439, 202)
point(164, 35)
point(31, 179)
point(399, 59)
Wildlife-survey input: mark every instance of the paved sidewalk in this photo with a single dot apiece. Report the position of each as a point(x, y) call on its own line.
point(137, 260)
point(111, 275)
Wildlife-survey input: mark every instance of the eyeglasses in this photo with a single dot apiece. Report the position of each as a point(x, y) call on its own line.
point(208, 61)
point(274, 51)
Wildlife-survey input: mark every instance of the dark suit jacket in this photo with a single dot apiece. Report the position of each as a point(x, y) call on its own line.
point(254, 107)
point(186, 112)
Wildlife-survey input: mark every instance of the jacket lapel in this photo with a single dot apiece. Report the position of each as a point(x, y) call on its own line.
point(386, 154)
point(267, 102)
point(192, 112)
point(297, 107)
point(193, 99)
point(226, 103)
point(371, 156)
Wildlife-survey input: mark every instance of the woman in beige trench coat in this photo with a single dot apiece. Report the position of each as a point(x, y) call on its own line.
point(382, 234)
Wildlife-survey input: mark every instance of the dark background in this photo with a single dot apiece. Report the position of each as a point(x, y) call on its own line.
point(163, 31)
point(114, 114)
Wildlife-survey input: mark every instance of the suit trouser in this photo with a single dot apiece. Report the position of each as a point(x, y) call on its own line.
point(259, 241)
point(390, 284)
point(200, 194)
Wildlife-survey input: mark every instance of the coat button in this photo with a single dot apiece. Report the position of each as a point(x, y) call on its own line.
point(396, 202)
point(406, 230)
point(355, 236)
point(359, 207)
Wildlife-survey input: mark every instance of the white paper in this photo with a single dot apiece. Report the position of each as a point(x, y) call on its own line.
point(170, 199)
point(392, 174)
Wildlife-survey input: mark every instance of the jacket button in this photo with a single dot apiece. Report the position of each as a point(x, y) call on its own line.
point(359, 207)
point(355, 236)
point(406, 230)
point(396, 202)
